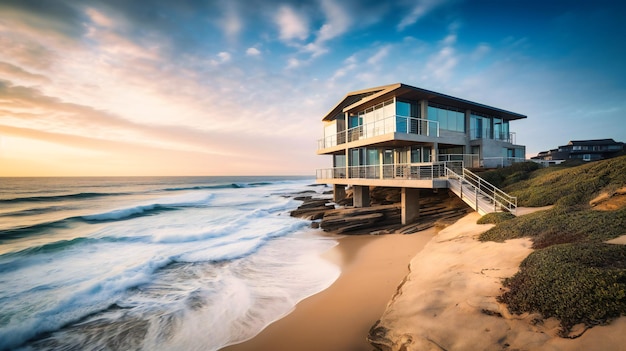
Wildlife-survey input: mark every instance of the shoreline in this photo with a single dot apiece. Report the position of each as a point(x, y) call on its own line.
point(340, 317)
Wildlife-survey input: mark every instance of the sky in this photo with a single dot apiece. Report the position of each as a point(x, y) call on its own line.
point(239, 87)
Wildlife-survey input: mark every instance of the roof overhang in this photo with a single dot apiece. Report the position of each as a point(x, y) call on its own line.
point(357, 100)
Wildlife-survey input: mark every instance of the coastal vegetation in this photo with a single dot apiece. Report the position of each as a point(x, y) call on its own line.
point(573, 275)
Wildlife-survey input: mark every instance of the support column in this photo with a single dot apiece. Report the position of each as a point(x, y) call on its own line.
point(434, 153)
point(410, 205)
point(361, 196)
point(339, 192)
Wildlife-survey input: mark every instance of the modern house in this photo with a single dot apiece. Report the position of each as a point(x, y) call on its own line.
point(403, 136)
point(586, 150)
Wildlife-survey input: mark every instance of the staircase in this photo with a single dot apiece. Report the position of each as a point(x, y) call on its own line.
point(478, 193)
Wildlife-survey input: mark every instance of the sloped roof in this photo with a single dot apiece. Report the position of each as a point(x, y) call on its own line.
point(353, 100)
point(594, 142)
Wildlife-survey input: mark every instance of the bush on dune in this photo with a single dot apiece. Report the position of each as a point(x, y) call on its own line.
point(572, 275)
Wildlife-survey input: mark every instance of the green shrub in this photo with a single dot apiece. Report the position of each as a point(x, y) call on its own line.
point(502, 177)
point(557, 227)
point(572, 275)
point(495, 218)
point(569, 186)
point(576, 283)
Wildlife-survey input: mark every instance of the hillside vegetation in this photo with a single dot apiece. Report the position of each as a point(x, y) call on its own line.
point(573, 274)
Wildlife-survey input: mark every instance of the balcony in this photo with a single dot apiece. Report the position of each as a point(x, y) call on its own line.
point(487, 134)
point(392, 124)
point(420, 175)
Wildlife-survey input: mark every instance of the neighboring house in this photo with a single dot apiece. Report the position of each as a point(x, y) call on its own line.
point(402, 136)
point(586, 150)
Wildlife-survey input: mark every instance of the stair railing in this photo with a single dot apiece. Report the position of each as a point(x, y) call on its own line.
point(499, 198)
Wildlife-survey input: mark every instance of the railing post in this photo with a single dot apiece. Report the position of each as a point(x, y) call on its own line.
point(476, 198)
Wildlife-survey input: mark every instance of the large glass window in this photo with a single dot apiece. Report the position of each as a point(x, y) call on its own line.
point(339, 160)
point(449, 118)
point(480, 126)
point(416, 154)
point(403, 109)
point(372, 157)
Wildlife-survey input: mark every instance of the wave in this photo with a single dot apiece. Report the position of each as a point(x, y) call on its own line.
point(203, 187)
point(109, 216)
point(91, 299)
point(46, 198)
point(220, 186)
point(33, 211)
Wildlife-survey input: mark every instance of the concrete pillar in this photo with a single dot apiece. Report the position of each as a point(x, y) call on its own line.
point(434, 153)
point(410, 205)
point(361, 196)
point(339, 192)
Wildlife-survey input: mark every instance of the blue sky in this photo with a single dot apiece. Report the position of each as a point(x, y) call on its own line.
point(239, 87)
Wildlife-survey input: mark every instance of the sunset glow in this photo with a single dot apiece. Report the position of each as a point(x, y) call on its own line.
point(220, 88)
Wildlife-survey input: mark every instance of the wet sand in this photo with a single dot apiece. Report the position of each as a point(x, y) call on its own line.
point(339, 318)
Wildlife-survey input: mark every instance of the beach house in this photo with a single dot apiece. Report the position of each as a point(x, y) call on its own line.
point(403, 136)
point(586, 150)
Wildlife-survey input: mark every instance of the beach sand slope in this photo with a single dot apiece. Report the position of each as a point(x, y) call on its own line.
point(448, 301)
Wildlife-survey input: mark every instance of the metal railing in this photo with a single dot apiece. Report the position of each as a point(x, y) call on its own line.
point(492, 196)
point(411, 171)
point(487, 134)
point(495, 162)
point(391, 124)
point(469, 160)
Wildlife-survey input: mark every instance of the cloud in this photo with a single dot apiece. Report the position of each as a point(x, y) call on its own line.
point(379, 55)
point(421, 9)
point(13, 72)
point(337, 23)
point(291, 24)
point(231, 22)
point(480, 52)
point(252, 51)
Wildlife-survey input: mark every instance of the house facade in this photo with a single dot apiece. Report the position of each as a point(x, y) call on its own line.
point(403, 136)
point(586, 150)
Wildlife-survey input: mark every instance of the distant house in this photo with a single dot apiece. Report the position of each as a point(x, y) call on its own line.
point(586, 150)
point(403, 136)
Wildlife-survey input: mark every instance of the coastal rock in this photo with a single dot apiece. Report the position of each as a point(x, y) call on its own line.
point(312, 209)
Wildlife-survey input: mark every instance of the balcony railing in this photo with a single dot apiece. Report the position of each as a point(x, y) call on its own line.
point(392, 124)
point(469, 160)
point(415, 171)
point(494, 162)
point(509, 137)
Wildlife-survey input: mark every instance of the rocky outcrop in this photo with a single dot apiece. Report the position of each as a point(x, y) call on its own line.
point(436, 209)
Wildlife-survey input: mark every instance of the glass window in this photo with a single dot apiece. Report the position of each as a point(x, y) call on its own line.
point(340, 160)
point(460, 122)
point(432, 113)
point(372, 157)
point(416, 155)
point(403, 108)
point(442, 117)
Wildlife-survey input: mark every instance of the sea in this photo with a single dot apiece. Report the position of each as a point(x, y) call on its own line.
point(153, 263)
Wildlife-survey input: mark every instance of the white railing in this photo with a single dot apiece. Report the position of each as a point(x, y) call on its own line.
point(495, 162)
point(412, 171)
point(493, 197)
point(392, 124)
point(469, 160)
point(486, 134)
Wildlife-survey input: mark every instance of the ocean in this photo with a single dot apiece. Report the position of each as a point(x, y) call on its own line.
point(153, 263)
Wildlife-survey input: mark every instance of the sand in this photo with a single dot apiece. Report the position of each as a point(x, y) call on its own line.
point(446, 302)
point(339, 318)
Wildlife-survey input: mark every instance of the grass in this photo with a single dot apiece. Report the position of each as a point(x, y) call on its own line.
point(574, 283)
point(572, 275)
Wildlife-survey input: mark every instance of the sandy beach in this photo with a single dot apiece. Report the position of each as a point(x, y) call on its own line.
point(339, 318)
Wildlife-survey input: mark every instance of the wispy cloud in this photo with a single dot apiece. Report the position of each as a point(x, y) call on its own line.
point(252, 51)
point(291, 24)
point(421, 9)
